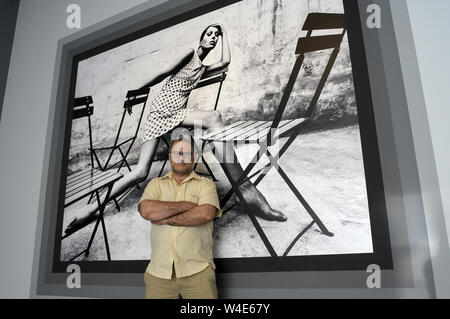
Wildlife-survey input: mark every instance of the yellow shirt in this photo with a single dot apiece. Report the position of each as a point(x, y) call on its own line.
point(188, 249)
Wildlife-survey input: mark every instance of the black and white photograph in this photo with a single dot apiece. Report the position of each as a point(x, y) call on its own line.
point(270, 82)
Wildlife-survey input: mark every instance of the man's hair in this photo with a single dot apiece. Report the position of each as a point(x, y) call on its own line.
point(182, 134)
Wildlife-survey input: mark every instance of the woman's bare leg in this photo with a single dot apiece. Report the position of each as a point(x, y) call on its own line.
point(138, 174)
point(255, 200)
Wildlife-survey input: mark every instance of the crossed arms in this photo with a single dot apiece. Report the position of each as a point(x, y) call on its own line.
point(182, 213)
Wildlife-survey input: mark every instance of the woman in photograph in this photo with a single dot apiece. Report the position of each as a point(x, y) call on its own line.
point(168, 110)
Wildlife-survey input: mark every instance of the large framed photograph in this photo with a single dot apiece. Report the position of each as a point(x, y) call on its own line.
point(284, 82)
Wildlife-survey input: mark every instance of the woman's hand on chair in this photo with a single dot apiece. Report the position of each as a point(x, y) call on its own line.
point(129, 109)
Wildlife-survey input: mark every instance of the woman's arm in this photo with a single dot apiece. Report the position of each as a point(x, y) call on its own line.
point(170, 69)
point(225, 58)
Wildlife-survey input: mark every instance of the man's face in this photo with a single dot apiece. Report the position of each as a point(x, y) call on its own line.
point(182, 157)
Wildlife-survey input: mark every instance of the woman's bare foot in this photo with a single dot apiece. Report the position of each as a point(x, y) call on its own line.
point(258, 204)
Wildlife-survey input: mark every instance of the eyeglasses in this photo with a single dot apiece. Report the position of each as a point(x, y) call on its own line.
point(176, 154)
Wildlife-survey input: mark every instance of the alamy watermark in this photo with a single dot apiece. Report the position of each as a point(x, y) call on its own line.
point(225, 141)
point(74, 279)
point(73, 20)
point(374, 19)
point(374, 279)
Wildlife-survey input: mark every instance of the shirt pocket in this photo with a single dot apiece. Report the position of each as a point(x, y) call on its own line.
point(194, 199)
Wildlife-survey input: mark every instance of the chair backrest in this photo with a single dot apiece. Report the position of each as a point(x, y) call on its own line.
point(321, 21)
point(213, 78)
point(314, 21)
point(82, 107)
point(133, 99)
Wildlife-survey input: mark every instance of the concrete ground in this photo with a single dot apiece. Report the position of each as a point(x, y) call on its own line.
point(327, 169)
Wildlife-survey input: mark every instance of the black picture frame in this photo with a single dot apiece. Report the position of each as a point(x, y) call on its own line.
point(382, 254)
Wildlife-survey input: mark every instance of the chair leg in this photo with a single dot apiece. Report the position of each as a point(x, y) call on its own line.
point(128, 151)
point(267, 167)
point(162, 168)
point(250, 166)
point(230, 193)
point(92, 237)
point(305, 204)
point(117, 204)
point(224, 211)
point(90, 198)
point(98, 161)
point(93, 194)
point(124, 159)
point(258, 228)
point(227, 197)
point(209, 170)
point(241, 179)
point(105, 238)
point(100, 219)
point(291, 185)
point(210, 173)
point(283, 149)
point(127, 192)
point(121, 162)
point(105, 167)
point(298, 237)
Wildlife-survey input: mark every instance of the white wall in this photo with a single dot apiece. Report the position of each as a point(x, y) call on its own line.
point(41, 24)
point(430, 25)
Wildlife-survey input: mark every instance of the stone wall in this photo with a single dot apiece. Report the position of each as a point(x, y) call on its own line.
point(262, 35)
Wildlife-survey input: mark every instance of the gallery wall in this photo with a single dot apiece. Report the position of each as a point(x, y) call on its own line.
point(435, 73)
point(25, 120)
point(40, 24)
point(8, 9)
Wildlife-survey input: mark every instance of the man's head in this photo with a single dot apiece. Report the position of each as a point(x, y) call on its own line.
point(182, 153)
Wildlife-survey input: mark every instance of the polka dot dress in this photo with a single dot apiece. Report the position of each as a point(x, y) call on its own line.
point(168, 108)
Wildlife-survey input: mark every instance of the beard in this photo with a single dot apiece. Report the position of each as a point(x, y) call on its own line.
point(184, 169)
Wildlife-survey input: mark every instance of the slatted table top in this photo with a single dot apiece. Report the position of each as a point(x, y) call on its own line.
point(109, 143)
point(250, 131)
point(85, 182)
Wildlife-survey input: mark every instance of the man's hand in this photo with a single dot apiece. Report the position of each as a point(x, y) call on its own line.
point(161, 222)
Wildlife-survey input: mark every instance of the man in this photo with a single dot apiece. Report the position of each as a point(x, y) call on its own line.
point(181, 206)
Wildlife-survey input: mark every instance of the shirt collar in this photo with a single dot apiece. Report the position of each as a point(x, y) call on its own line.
point(193, 174)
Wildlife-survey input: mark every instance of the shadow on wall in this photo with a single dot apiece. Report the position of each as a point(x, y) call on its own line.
point(336, 106)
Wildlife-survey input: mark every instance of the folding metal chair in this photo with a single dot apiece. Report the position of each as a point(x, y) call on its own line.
point(217, 77)
point(214, 78)
point(90, 181)
point(266, 133)
point(133, 99)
